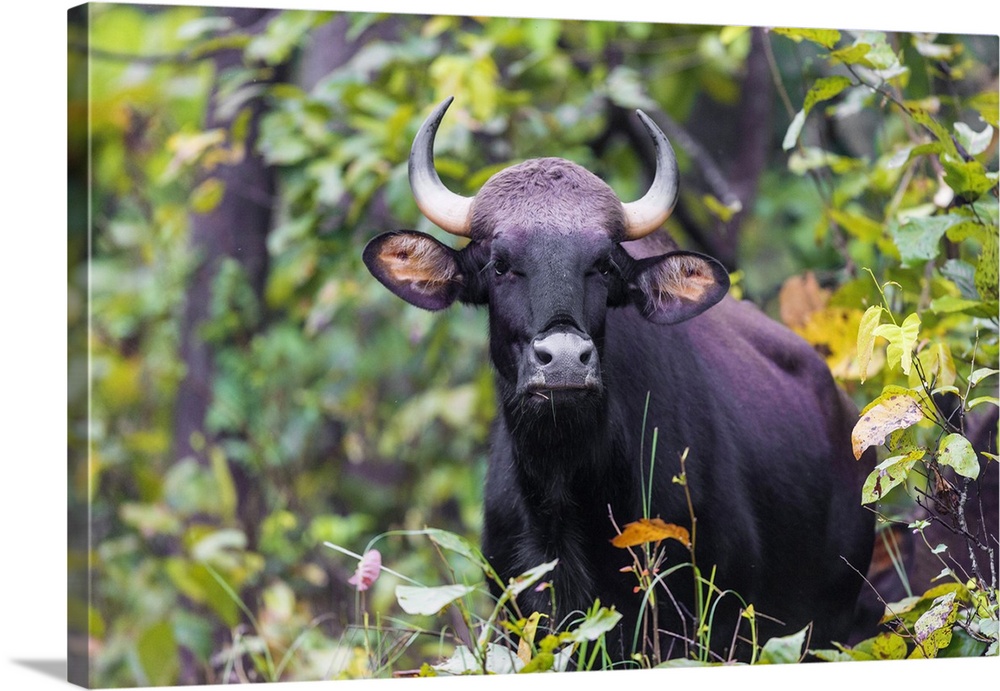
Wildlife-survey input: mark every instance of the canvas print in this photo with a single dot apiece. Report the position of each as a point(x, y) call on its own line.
point(425, 346)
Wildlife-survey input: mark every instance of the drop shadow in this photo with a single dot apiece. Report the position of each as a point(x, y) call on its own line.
point(50, 668)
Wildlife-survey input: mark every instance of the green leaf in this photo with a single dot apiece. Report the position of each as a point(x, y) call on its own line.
point(968, 179)
point(220, 548)
point(824, 89)
point(907, 154)
point(225, 487)
point(921, 116)
point(459, 545)
point(158, 654)
point(199, 584)
point(902, 441)
point(987, 104)
point(283, 34)
point(541, 35)
point(542, 662)
point(902, 339)
point(429, 601)
point(783, 650)
point(151, 519)
point(728, 34)
point(889, 646)
point(206, 196)
point(919, 238)
point(722, 211)
point(330, 186)
point(881, 54)
point(962, 274)
point(980, 374)
point(627, 89)
point(596, 625)
point(866, 338)
point(196, 28)
point(909, 609)
point(853, 55)
point(813, 158)
point(827, 38)
point(963, 645)
point(281, 141)
point(970, 229)
point(948, 304)
point(956, 452)
point(857, 224)
point(830, 655)
point(986, 269)
point(932, 631)
point(982, 399)
point(887, 474)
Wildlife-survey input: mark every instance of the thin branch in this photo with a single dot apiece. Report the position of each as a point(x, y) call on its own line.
point(837, 235)
point(207, 49)
point(184, 57)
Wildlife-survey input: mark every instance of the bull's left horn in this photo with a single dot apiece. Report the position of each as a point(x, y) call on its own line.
point(645, 215)
point(444, 208)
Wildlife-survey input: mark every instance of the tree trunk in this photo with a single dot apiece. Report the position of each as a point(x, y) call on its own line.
point(236, 228)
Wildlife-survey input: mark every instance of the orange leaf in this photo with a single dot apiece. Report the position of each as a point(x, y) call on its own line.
point(650, 530)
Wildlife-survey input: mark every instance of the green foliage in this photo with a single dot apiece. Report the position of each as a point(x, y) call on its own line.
point(930, 180)
point(337, 411)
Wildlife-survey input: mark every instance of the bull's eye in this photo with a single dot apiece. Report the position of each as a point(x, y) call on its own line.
point(501, 267)
point(603, 266)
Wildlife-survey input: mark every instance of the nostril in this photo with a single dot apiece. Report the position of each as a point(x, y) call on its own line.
point(585, 354)
point(543, 354)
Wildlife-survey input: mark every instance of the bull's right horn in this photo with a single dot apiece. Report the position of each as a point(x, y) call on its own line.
point(441, 206)
point(645, 215)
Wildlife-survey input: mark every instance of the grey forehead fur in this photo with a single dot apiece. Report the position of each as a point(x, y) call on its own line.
point(547, 194)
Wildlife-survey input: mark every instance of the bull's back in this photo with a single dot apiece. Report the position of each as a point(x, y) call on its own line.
point(770, 466)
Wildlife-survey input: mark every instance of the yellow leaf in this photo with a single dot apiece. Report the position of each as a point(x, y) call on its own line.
point(650, 530)
point(896, 411)
point(833, 332)
point(528, 637)
point(866, 338)
point(902, 340)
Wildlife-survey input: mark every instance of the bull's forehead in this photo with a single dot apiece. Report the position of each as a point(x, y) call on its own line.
point(547, 196)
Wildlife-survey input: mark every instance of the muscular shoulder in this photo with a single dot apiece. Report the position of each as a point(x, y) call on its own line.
point(742, 324)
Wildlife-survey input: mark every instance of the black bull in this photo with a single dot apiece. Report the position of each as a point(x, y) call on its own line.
point(591, 315)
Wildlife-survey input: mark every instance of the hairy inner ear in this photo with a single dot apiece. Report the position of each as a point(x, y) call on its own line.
point(679, 285)
point(416, 267)
point(415, 261)
point(686, 277)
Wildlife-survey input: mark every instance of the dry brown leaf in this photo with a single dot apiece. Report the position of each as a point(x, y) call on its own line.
point(799, 298)
point(650, 530)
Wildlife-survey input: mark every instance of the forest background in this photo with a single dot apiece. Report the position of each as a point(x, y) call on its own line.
point(625, 191)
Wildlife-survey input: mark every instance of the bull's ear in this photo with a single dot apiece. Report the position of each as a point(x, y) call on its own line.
point(676, 286)
point(416, 267)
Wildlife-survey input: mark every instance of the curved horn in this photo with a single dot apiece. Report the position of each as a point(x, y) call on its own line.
point(645, 215)
point(441, 206)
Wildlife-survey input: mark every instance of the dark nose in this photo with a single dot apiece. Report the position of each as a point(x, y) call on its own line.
point(564, 359)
